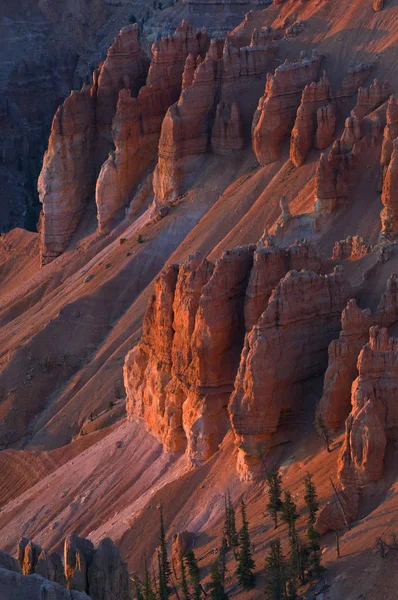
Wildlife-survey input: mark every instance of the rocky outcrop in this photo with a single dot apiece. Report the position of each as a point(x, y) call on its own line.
point(270, 265)
point(354, 79)
point(28, 556)
point(9, 563)
point(78, 555)
point(137, 124)
point(182, 542)
point(335, 403)
point(15, 586)
point(374, 417)
point(79, 141)
point(334, 178)
point(389, 197)
point(314, 96)
point(378, 5)
point(387, 311)
point(390, 133)
point(353, 247)
point(227, 134)
point(326, 125)
point(180, 376)
point(108, 577)
point(370, 98)
point(287, 346)
point(221, 78)
point(276, 111)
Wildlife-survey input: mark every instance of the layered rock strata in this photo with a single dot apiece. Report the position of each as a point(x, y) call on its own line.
point(390, 132)
point(354, 79)
point(373, 419)
point(335, 403)
point(389, 197)
point(80, 139)
point(325, 128)
point(137, 123)
point(287, 346)
point(370, 98)
point(276, 111)
point(99, 572)
point(314, 97)
point(353, 247)
point(180, 376)
point(193, 125)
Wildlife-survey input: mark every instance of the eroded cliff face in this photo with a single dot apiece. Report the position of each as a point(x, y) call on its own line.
point(286, 346)
point(276, 111)
point(335, 403)
point(209, 114)
point(180, 377)
point(80, 138)
point(389, 197)
point(137, 123)
point(373, 419)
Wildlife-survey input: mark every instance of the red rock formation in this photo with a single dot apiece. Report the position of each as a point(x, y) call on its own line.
point(227, 134)
point(335, 403)
point(387, 311)
point(374, 414)
point(390, 132)
point(287, 345)
point(355, 77)
point(352, 133)
point(79, 141)
point(274, 118)
point(353, 247)
point(326, 125)
point(334, 178)
point(378, 5)
point(270, 265)
point(180, 376)
point(370, 98)
point(389, 197)
point(314, 97)
point(137, 124)
point(66, 178)
point(222, 77)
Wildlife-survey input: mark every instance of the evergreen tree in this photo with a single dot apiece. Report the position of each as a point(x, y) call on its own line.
point(315, 568)
point(194, 576)
point(217, 590)
point(163, 592)
point(245, 566)
point(147, 590)
point(289, 513)
point(311, 499)
point(184, 583)
point(298, 558)
point(274, 482)
point(232, 534)
point(138, 595)
point(223, 556)
point(164, 565)
point(275, 572)
point(322, 430)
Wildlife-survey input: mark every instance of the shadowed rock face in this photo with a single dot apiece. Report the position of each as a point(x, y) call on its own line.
point(390, 132)
point(374, 416)
point(80, 139)
point(137, 123)
point(276, 111)
point(180, 377)
point(287, 345)
point(99, 572)
point(335, 403)
point(389, 197)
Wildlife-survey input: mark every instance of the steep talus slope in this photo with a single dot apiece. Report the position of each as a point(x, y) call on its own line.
point(222, 290)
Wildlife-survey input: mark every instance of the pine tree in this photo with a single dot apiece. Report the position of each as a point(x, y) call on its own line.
point(322, 430)
point(289, 513)
point(245, 566)
point(274, 482)
point(164, 565)
point(163, 592)
point(147, 590)
point(275, 572)
point(138, 589)
point(223, 556)
point(298, 562)
point(233, 540)
point(311, 499)
point(194, 576)
point(217, 590)
point(184, 583)
point(315, 568)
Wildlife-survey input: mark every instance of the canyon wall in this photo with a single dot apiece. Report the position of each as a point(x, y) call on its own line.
point(203, 319)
